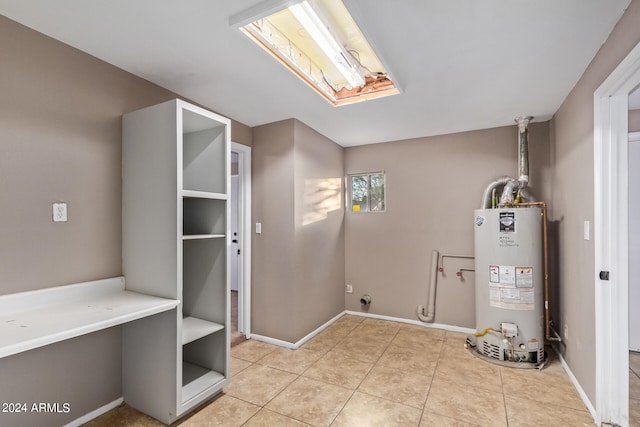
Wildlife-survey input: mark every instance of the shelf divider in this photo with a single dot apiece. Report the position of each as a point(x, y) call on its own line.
point(204, 195)
point(194, 328)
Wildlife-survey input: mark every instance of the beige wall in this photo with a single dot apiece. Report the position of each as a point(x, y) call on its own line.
point(272, 274)
point(60, 139)
point(241, 133)
point(634, 121)
point(433, 186)
point(319, 229)
point(572, 201)
point(298, 260)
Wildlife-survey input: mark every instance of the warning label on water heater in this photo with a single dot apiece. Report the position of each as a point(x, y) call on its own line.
point(511, 287)
point(524, 277)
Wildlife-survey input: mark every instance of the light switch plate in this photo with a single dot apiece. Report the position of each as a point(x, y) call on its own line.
point(258, 228)
point(587, 230)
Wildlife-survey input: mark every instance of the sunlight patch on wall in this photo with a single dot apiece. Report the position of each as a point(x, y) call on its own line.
point(321, 196)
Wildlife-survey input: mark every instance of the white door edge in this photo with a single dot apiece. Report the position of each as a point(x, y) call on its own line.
point(611, 240)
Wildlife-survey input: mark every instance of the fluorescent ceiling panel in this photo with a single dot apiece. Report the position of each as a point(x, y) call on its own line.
point(320, 43)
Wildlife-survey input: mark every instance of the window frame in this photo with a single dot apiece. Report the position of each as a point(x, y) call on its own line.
point(368, 175)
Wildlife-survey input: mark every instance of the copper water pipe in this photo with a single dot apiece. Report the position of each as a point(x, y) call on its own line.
point(546, 267)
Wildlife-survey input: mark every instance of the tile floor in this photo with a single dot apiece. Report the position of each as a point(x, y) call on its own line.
point(634, 389)
point(368, 372)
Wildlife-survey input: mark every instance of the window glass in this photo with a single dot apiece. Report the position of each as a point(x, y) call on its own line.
point(376, 192)
point(367, 192)
point(359, 193)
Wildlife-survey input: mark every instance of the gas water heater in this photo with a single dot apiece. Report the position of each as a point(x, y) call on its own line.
point(509, 284)
point(511, 269)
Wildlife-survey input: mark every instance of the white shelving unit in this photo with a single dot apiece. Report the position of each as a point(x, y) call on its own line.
point(176, 178)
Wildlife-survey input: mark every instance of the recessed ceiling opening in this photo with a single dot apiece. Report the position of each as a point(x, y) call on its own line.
point(319, 42)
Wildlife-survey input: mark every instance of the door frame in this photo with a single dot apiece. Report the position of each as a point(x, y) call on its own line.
point(611, 239)
point(244, 222)
point(635, 138)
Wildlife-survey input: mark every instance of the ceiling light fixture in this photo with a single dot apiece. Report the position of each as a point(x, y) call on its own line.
point(318, 31)
point(320, 43)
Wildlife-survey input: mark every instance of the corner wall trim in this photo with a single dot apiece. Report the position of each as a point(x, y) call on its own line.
point(96, 413)
point(299, 343)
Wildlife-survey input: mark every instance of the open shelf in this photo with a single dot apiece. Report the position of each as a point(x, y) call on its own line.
point(196, 379)
point(203, 217)
point(194, 328)
point(204, 153)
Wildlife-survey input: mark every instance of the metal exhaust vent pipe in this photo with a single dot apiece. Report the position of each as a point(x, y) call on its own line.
point(510, 185)
point(523, 150)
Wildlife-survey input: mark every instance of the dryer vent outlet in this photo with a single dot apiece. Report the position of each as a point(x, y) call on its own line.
point(365, 300)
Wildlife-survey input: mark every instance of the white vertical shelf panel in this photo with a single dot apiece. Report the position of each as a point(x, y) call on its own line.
point(149, 200)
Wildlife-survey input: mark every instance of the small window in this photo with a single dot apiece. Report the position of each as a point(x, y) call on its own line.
point(367, 192)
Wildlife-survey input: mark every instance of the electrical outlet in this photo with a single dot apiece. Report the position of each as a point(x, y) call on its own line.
point(349, 289)
point(566, 331)
point(60, 212)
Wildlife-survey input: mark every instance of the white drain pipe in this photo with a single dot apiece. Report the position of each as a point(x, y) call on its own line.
point(431, 310)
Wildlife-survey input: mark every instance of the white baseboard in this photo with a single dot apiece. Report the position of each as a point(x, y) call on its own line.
point(95, 414)
point(274, 341)
point(299, 343)
point(413, 322)
point(578, 387)
point(296, 345)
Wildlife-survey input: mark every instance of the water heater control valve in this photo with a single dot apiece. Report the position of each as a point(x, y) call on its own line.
point(509, 330)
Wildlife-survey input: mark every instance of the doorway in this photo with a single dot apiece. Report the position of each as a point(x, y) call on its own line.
point(611, 239)
point(240, 247)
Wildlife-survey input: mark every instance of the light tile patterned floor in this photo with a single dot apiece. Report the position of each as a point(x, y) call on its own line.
point(634, 389)
point(369, 372)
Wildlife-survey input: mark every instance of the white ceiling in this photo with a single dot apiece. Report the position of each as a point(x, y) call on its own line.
point(461, 64)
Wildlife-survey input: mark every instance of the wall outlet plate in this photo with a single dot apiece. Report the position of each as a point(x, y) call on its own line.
point(60, 212)
point(348, 289)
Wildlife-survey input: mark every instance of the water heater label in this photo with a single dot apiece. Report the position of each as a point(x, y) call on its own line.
point(511, 287)
point(524, 277)
point(494, 274)
point(508, 276)
point(511, 298)
point(507, 222)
